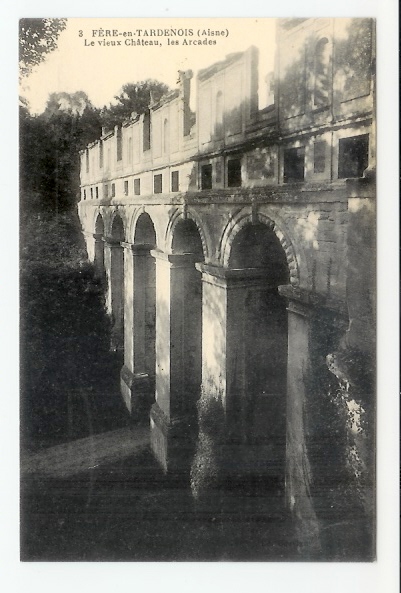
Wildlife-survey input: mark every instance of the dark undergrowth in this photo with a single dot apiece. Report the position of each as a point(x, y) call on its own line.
point(131, 511)
point(69, 378)
point(128, 510)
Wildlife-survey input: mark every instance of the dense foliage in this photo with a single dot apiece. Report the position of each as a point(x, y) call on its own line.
point(67, 371)
point(50, 142)
point(133, 98)
point(69, 376)
point(49, 151)
point(37, 38)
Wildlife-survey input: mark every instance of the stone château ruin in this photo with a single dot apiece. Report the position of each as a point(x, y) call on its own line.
point(238, 250)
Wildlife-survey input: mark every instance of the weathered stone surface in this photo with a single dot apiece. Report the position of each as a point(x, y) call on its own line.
point(308, 244)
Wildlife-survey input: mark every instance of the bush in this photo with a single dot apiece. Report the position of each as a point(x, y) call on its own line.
point(207, 463)
point(64, 327)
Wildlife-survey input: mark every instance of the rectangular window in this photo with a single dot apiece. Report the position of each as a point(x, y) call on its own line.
point(106, 191)
point(175, 181)
point(234, 173)
point(113, 190)
point(206, 177)
point(84, 194)
point(119, 144)
point(319, 157)
point(158, 184)
point(91, 193)
point(101, 155)
point(137, 187)
point(146, 131)
point(126, 187)
point(353, 157)
point(97, 192)
point(294, 164)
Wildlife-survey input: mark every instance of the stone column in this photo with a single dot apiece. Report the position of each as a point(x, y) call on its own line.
point(108, 247)
point(222, 344)
point(114, 267)
point(135, 387)
point(99, 255)
point(90, 239)
point(361, 266)
point(171, 418)
point(228, 385)
point(352, 363)
point(298, 472)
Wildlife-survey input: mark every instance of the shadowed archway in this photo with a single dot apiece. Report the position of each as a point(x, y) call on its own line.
point(187, 241)
point(174, 426)
point(144, 304)
point(257, 409)
point(99, 247)
point(116, 288)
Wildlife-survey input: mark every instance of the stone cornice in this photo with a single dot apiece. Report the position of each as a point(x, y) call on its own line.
point(335, 191)
point(138, 248)
point(110, 241)
point(313, 300)
point(364, 187)
point(176, 260)
point(312, 129)
point(231, 278)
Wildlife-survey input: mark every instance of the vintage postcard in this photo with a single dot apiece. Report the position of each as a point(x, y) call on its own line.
point(198, 289)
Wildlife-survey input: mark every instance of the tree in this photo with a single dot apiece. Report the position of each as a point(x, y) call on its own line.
point(74, 103)
point(37, 38)
point(49, 151)
point(134, 97)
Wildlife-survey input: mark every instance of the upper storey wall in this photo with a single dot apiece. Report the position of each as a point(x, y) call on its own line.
point(324, 71)
point(169, 134)
point(162, 137)
point(227, 100)
point(319, 129)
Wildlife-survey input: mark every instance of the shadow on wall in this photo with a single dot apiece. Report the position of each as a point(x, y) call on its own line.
point(240, 446)
point(305, 85)
point(117, 286)
point(187, 240)
point(145, 286)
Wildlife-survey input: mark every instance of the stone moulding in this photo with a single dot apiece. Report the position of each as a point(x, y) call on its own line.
point(244, 217)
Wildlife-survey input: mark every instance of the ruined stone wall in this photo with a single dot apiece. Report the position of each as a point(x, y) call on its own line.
point(285, 171)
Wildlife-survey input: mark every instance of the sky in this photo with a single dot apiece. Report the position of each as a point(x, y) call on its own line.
point(82, 63)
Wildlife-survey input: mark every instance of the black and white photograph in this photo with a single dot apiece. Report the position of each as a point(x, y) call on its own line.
point(198, 290)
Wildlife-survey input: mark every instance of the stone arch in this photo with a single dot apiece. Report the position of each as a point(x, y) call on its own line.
point(145, 233)
point(132, 225)
point(98, 215)
point(117, 226)
point(138, 375)
point(256, 340)
point(99, 227)
point(186, 243)
point(243, 218)
point(116, 281)
point(187, 214)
